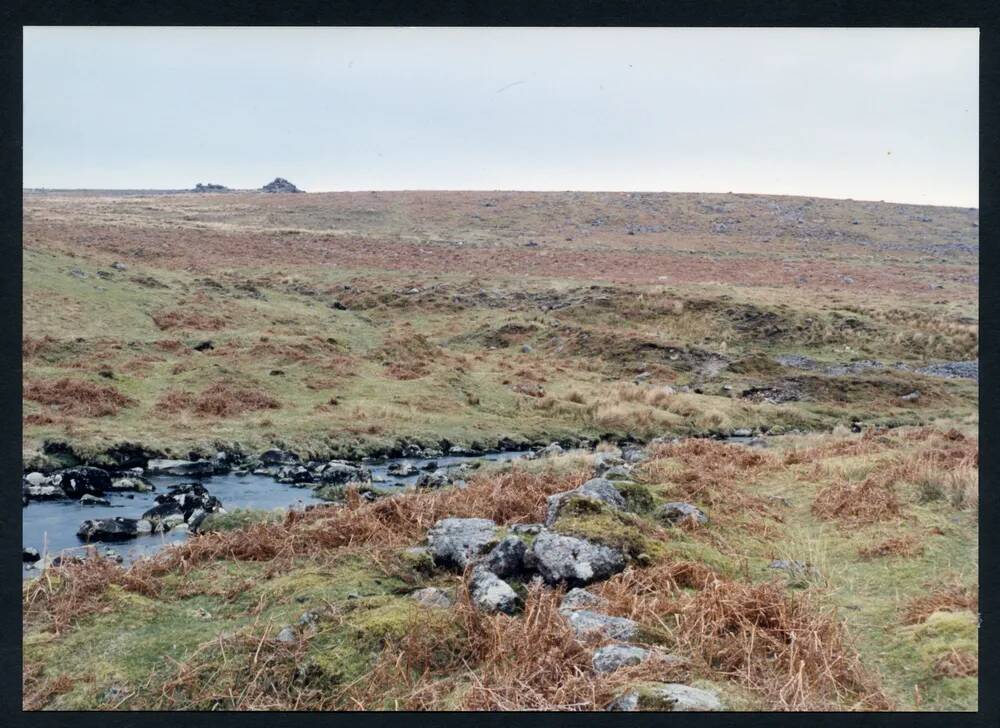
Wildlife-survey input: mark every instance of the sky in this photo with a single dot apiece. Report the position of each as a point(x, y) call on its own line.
point(868, 114)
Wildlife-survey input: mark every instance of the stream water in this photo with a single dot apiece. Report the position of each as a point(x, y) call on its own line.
point(50, 526)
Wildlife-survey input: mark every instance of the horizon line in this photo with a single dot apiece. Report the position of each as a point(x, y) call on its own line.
point(188, 190)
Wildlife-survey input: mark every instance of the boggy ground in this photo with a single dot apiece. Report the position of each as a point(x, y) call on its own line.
point(341, 324)
point(317, 612)
point(337, 324)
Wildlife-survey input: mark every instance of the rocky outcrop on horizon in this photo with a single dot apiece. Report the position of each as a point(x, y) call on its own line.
point(279, 184)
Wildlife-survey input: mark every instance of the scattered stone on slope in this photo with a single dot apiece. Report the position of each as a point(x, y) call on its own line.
point(455, 541)
point(667, 697)
point(570, 560)
point(431, 596)
point(507, 557)
point(675, 513)
point(491, 594)
point(597, 489)
point(616, 656)
point(577, 598)
point(585, 622)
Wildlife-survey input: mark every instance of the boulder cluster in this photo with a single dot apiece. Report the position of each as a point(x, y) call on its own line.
point(85, 484)
point(497, 557)
point(183, 506)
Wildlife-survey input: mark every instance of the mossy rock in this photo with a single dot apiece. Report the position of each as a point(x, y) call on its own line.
point(417, 559)
point(638, 498)
point(591, 520)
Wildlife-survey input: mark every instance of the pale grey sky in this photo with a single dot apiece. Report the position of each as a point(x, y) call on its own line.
point(878, 114)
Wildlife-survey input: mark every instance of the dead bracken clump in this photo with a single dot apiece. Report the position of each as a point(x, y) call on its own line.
point(905, 545)
point(77, 588)
point(869, 501)
point(38, 691)
point(712, 473)
point(646, 595)
point(777, 644)
point(408, 356)
point(218, 400)
point(957, 663)
point(180, 319)
point(78, 397)
point(950, 598)
point(32, 346)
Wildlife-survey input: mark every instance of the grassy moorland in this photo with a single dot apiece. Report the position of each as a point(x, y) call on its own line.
point(342, 324)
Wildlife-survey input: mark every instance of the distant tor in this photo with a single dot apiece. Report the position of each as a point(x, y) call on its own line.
point(280, 184)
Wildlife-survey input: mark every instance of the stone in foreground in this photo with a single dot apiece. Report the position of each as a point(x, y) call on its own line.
point(507, 557)
point(598, 489)
point(578, 598)
point(614, 657)
point(676, 513)
point(667, 697)
point(585, 622)
point(431, 596)
point(455, 541)
point(574, 561)
point(491, 593)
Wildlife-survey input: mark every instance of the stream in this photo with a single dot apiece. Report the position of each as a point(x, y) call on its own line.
point(50, 526)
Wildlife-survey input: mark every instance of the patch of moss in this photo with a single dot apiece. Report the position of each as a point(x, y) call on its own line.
point(638, 498)
point(944, 632)
point(592, 520)
point(682, 547)
point(380, 620)
point(417, 561)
